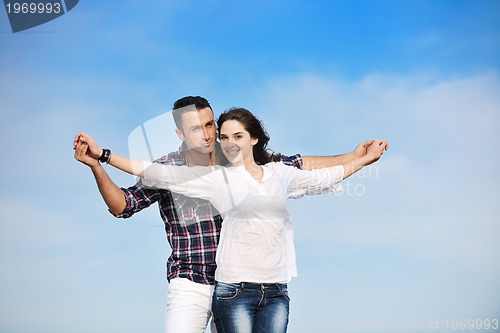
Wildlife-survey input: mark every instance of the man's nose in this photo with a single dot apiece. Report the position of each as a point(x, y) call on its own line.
point(206, 134)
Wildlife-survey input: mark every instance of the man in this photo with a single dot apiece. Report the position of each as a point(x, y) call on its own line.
point(192, 225)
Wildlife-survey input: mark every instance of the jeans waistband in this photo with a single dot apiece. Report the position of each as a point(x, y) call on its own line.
point(252, 285)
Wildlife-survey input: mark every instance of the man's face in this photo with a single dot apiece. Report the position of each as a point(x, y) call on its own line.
point(198, 130)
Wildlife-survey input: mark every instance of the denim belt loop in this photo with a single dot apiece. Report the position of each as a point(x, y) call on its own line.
point(249, 285)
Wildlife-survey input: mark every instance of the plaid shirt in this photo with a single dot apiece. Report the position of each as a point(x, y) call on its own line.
point(192, 225)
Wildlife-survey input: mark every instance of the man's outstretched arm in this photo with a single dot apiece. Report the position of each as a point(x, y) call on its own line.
point(113, 196)
point(319, 162)
point(373, 153)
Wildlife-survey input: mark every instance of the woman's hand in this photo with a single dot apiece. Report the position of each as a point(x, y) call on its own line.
point(86, 150)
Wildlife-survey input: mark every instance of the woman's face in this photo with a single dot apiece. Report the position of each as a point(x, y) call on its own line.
point(236, 142)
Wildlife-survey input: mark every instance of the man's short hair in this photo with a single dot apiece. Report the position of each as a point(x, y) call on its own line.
point(186, 104)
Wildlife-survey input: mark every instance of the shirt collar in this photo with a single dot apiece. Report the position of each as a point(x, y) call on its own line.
point(268, 172)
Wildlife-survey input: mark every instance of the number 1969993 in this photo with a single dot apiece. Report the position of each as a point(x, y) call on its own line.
point(471, 324)
point(33, 8)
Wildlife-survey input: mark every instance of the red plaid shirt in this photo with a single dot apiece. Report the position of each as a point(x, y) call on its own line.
point(192, 225)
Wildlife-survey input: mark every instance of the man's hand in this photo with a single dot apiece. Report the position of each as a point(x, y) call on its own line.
point(86, 150)
point(360, 149)
point(376, 149)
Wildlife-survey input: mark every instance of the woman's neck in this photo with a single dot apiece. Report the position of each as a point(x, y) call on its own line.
point(248, 163)
point(254, 169)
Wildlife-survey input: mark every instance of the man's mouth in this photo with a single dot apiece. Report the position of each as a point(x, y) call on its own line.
point(207, 144)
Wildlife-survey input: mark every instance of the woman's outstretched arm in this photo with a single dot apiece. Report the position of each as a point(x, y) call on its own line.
point(131, 166)
point(196, 181)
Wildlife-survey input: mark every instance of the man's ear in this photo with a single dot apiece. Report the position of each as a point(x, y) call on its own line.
point(180, 134)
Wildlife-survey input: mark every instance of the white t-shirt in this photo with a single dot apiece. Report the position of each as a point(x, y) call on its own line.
point(256, 241)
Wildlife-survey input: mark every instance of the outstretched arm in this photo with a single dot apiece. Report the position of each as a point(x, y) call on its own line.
point(131, 166)
point(88, 152)
point(110, 192)
point(323, 180)
point(328, 179)
point(196, 181)
point(374, 151)
point(318, 162)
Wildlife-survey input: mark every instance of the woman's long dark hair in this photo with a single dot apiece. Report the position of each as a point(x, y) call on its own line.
point(256, 129)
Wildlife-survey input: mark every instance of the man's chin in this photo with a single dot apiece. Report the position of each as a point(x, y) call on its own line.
point(206, 149)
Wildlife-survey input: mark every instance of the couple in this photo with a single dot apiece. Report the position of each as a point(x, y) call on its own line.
point(256, 256)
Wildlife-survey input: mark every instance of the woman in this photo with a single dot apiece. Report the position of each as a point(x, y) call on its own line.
point(256, 257)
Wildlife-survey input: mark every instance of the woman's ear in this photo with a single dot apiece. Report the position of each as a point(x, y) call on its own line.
point(254, 141)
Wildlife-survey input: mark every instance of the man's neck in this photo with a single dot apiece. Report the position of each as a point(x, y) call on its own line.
point(195, 158)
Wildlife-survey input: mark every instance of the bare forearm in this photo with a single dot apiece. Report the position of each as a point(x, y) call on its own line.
point(355, 165)
point(372, 156)
point(89, 153)
point(131, 166)
point(110, 192)
point(319, 162)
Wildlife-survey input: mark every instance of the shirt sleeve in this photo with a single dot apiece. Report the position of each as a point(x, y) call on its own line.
point(313, 182)
point(294, 160)
point(197, 181)
point(137, 198)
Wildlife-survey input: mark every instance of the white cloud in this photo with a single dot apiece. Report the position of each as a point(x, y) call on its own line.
point(456, 112)
point(440, 133)
point(432, 200)
point(427, 219)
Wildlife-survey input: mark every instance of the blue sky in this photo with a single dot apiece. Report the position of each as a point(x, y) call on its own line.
point(412, 240)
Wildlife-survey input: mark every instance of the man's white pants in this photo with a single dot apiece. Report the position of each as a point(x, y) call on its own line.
point(189, 307)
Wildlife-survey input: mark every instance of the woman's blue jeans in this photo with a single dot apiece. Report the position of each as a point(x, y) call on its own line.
point(250, 307)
